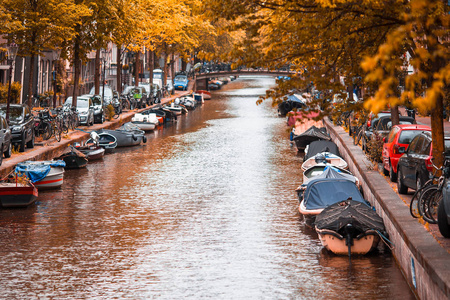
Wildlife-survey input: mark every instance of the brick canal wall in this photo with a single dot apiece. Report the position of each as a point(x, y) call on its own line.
point(424, 263)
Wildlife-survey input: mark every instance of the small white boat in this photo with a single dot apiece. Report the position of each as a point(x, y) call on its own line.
point(145, 121)
point(178, 110)
point(325, 157)
point(318, 169)
point(43, 174)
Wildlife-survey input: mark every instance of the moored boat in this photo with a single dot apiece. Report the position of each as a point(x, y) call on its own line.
point(146, 121)
point(206, 94)
point(349, 227)
point(319, 169)
point(310, 135)
point(73, 158)
point(127, 135)
point(322, 192)
point(43, 174)
point(105, 140)
point(327, 158)
point(92, 150)
point(17, 191)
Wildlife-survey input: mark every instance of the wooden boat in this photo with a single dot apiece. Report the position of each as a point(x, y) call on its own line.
point(17, 191)
point(146, 121)
point(177, 109)
point(206, 94)
point(349, 227)
point(327, 158)
point(322, 192)
point(43, 174)
point(92, 151)
point(73, 158)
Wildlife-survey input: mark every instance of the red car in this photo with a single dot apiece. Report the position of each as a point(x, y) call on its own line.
point(399, 136)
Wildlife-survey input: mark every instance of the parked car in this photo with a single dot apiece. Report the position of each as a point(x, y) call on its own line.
point(372, 122)
point(444, 209)
point(399, 136)
point(99, 110)
point(108, 94)
point(5, 139)
point(85, 109)
point(384, 125)
point(21, 124)
point(415, 166)
point(181, 82)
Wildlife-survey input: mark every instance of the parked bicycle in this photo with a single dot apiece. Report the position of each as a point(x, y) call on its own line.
point(426, 199)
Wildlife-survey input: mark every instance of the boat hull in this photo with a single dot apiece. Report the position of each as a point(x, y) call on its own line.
point(93, 154)
point(74, 161)
point(146, 126)
point(336, 243)
point(125, 138)
point(309, 214)
point(17, 196)
point(53, 180)
point(206, 94)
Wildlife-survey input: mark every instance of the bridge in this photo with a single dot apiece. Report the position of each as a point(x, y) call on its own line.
point(201, 79)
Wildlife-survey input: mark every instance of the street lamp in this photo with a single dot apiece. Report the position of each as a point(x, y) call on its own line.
point(12, 52)
point(55, 56)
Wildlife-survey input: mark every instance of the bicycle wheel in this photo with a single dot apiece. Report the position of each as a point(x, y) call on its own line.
point(357, 137)
point(432, 207)
point(57, 131)
point(425, 195)
point(414, 205)
point(46, 131)
point(64, 125)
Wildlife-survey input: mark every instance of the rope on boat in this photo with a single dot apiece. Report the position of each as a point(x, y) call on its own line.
point(385, 240)
point(83, 130)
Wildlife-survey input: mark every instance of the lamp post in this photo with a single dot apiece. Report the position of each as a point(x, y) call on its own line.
point(55, 56)
point(12, 52)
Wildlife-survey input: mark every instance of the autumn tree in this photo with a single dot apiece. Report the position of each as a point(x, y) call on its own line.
point(44, 24)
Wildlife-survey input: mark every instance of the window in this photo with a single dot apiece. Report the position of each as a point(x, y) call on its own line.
point(392, 134)
point(415, 144)
point(406, 136)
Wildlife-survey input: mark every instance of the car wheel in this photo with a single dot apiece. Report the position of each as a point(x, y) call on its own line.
point(402, 189)
point(30, 144)
point(8, 151)
point(22, 144)
point(444, 227)
point(392, 174)
point(385, 172)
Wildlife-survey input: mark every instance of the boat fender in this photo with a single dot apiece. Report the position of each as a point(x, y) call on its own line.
point(144, 139)
point(134, 137)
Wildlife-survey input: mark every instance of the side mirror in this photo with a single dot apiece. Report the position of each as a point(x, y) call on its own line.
point(401, 150)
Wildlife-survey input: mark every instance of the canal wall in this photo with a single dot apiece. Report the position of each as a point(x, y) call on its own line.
point(424, 263)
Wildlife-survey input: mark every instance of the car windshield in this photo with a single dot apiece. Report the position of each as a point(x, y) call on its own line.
point(82, 103)
point(157, 75)
point(406, 136)
point(97, 101)
point(108, 91)
point(181, 78)
point(15, 113)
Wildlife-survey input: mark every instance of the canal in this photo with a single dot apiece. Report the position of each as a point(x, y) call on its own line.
point(206, 209)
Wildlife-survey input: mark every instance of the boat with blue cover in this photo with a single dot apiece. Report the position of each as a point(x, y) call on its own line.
point(47, 174)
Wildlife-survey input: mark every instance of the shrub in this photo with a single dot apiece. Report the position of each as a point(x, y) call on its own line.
point(15, 92)
point(109, 112)
point(375, 148)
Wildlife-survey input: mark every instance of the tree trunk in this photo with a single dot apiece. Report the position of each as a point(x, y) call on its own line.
point(172, 70)
point(164, 79)
point(151, 65)
point(136, 69)
point(97, 72)
point(395, 120)
point(76, 65)
point(31, 79)
point(119, 69)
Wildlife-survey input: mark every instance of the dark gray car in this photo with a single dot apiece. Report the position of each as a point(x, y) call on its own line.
point(5, 139)
point(21, 124)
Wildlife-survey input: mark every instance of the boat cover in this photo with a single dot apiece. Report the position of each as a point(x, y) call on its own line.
point(321, 146)
point(310, 135)
point(335, 217)
point(322, 192)
point(36, 171)
point(332, 172)
point(130, 127)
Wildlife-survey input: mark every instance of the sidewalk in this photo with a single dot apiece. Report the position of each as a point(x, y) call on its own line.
point(51, 148)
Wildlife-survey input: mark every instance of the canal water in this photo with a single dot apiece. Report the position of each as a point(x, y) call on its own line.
point(206, 209)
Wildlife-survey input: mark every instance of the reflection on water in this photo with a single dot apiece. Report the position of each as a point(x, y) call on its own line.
point(206, 209)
